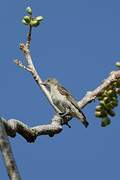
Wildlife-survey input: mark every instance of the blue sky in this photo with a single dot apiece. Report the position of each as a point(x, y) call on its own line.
point(78, 43)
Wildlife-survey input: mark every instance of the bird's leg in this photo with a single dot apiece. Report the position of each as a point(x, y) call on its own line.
point(62, 115)
point(67, 124)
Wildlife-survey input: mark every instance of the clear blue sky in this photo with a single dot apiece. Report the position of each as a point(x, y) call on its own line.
point(78, 43)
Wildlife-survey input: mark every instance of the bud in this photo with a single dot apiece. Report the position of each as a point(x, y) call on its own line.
point(29, 10)
point(27, 19)
point(24, 22)
point(39, 18)
point(34, 23)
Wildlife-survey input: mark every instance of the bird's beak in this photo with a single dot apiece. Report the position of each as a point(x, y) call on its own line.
point(43, 83)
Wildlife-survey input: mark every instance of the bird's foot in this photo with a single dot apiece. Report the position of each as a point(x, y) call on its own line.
point(63, 121)
point(63, 114)
point(67, 124)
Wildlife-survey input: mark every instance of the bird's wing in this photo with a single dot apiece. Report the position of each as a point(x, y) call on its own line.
point(65, 92)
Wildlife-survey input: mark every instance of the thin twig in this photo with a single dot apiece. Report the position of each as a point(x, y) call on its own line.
point(35, 75)
point(20, 64)
point(29, 37)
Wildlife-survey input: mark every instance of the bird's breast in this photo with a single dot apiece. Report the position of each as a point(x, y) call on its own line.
point(56, 96)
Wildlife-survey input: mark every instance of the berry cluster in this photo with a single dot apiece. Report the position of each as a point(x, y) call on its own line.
point(108, 100)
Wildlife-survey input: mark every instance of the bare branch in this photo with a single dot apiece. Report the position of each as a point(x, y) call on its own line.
point(7, 154)
point(14, 126)
point(37, 78)
point(55, 127)
point(91, 95)
point(20, 64)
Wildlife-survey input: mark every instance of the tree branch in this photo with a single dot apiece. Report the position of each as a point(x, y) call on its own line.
point(14, 126)
point(31, 68)
point(91, 95)
point(7, 154)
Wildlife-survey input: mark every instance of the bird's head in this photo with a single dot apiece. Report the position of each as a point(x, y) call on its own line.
point(50, 82)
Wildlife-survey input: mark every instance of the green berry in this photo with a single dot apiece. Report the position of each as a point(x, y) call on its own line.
point(118, 91)
point(98, 108)
point(105, 121)
point(106, 99)
point(118, 64)
point(100, 98)
point(100, 114)
point(109, 106)
point(110, 92)
point(111, 113)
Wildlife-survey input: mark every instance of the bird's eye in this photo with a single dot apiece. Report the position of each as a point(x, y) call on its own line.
point(48, 80)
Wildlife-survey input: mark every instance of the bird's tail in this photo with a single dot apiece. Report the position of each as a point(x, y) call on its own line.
point(83, 119)
point(85, 123)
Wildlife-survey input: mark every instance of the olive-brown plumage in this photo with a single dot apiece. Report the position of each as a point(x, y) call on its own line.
point(64, 101)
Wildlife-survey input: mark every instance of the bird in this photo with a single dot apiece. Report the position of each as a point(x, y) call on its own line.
point(64, 101)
